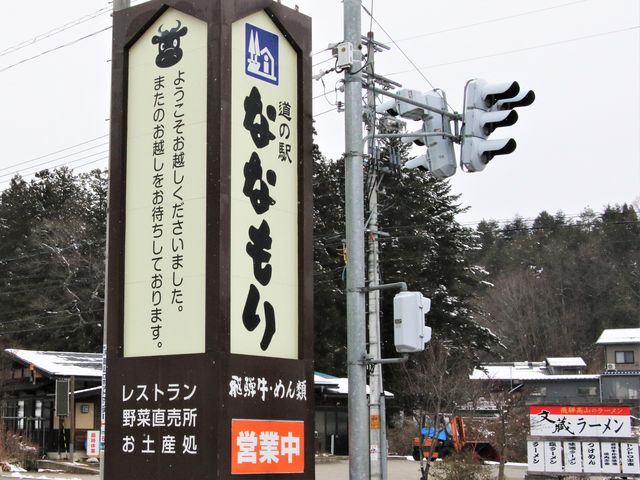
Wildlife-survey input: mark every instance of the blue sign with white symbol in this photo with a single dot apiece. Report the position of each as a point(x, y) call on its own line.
point(261, 54)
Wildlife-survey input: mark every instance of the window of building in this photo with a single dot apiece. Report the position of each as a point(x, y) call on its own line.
point(624, 356)
point(20, 415)
point(587, 391)
point(38, 414)
point(538, 391)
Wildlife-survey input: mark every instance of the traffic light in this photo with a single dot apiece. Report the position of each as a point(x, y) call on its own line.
point(410, 333)
point(440, 158)
point(487, 107)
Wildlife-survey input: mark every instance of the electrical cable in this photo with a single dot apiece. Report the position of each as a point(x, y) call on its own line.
point(60, 326)
point(492, 20)
point(324, 93)
point(6, 177)
point(405, 55)
point(461, 27)
point(57, 151)
point(59, 47)
point(56, 159)
point(322, 113)
point(54, 31)
point(534, 47)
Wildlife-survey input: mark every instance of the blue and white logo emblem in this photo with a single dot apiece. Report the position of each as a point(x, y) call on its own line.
point(262, 54)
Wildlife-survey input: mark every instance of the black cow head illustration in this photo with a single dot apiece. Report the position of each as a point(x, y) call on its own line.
point(169, 51)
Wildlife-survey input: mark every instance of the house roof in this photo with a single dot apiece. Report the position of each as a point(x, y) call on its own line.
point(565, 362)
point(61, 364)
point(336, 385)
point(342, 388)
point(619, 335)
point(67, 364)
point(325, 380)
point(522, 371)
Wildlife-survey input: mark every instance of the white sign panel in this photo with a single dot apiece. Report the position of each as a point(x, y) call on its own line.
point(566, 421)
point(630, 457)
point(572, 457)
point(553, 456)
point(535, 455)
point(93, 443)
point(610, 457)
point(165, 229)
point(264, 190)
point(591, 457)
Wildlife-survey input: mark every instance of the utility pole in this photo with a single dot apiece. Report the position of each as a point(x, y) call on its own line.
point(72, 418)
point(117, 5)
point(354, 220)
point(377, 421)
point(121, 4)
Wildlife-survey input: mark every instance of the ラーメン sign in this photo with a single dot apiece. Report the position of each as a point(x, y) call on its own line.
point(580, 421)
point(209, 372)
point(593, 439)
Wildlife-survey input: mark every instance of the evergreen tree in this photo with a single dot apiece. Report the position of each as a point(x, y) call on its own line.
point(559, 283)
point(329, 269)
point(52, 244)
point(427, 248)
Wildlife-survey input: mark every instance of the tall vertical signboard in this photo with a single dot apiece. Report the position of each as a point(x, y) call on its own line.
point(209, 272)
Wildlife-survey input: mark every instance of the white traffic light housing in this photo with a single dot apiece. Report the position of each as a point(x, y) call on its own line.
point(487, 107)
point(440, 158)
point(410, 333)
point(405, 110)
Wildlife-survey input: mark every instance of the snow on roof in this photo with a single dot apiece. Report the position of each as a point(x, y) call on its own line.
point(336, 385)
point(566, 362)
point(343, 388)
point(323, 379)
point(508, 372)
point(517, 372)
point(62, 364)
point(619, 335)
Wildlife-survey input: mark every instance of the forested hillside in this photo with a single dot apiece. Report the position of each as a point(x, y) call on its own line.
point(519, 290)
point(558, 281)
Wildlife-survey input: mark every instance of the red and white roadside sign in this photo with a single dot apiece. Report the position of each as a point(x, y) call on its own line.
point(267, 446)
point(93, 443)
point(586, 421)
point(592, 440)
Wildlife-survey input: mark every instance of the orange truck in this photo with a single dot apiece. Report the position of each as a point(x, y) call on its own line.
point(452, 438)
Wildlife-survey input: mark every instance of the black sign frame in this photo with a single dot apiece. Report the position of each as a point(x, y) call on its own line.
point(212, 370)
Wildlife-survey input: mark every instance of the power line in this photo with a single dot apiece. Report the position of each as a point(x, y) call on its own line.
point(326, 111)
point(58, 151)
point(492, 20)
point(73, 42)
point(534, 47)
point(406, 56)
point(57, 159)
point(8, 176)
point(53, 31)
point(74, 324)
point(462, 27)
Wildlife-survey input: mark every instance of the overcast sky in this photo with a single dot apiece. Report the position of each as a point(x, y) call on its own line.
point(578, 144)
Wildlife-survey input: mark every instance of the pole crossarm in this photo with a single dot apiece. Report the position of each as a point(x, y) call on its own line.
point(452, 115)
point(384, 361)
point(409, 135)
point(384, 81)
point(402, 286)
